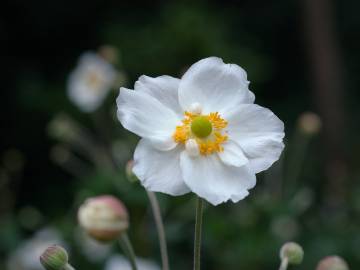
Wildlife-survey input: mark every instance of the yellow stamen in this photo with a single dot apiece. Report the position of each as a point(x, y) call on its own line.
point(207, 144)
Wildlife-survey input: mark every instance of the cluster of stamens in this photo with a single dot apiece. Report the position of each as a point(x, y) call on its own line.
point(205, 130)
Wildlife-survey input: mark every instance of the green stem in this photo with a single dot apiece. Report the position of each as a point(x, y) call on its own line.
point(160, 229)
point(128, 250)
point(284, 264)
point(198, 229)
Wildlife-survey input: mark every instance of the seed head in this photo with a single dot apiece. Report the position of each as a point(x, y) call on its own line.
point(293, 252)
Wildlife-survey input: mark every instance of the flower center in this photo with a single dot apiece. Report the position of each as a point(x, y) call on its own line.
point(201, 126)
point(93, 81)
point(201, 134)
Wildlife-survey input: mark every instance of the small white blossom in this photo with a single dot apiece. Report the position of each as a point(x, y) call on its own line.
point(201, 133)
point(118, 262)
point(90, 82)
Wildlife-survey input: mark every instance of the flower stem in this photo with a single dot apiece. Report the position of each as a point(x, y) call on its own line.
point(198, 229)
point(160, 229)
point(128, 250)
point(284, 264)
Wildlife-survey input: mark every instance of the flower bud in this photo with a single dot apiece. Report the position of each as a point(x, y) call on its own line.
point(332, 263)
point(310, 123)
point(109, 53)
point(54, 258)
point(293, 252)
point(104, 218)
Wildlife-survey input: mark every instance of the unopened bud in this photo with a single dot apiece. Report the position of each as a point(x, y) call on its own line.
point(332, 263)
point(310, 123)
point(109, 53)
point(54, 258)
point(104, 218)
point(293, 252)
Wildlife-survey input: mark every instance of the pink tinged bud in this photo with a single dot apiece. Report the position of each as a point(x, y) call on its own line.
point(332, 263)
point(310, 123)
point(293, 252)
point(104, 218)
point(54, 258)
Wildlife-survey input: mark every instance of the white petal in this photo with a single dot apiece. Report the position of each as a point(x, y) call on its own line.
point(159, 170)
point(192, 147)
point(211, 179)
point(119, 262)
point(215, 85)
point(163, 88)
point(233, 154)
point(147, 117)
point(259, 132)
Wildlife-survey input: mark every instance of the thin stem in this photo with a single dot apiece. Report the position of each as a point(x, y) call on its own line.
point(160, 229)
point(284, 264)
point(128, 250)
point(198, 229)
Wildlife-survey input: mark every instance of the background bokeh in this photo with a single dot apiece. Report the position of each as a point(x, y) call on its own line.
point(299, 55)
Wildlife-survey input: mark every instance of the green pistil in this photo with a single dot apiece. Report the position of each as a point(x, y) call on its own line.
point(201, 127)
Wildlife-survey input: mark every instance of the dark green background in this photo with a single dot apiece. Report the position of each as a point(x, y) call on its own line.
point(40, 44)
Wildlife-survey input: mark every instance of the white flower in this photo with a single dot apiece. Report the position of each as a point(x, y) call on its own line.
point(201, 133)
point(94, 251)
point(118, 262)
point(90, 82)
point(26, 256)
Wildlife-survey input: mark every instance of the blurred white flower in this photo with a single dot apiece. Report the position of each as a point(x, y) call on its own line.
point(94, 251)
point(118, 262)
point(202, 133)
point(26, 256)
point(90, 82)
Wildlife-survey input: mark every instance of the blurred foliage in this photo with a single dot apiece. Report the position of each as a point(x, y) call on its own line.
point(42, 42)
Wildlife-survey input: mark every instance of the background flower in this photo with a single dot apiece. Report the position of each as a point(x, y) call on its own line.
point(117, 262)
point(26, 256)
point(90, 82)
